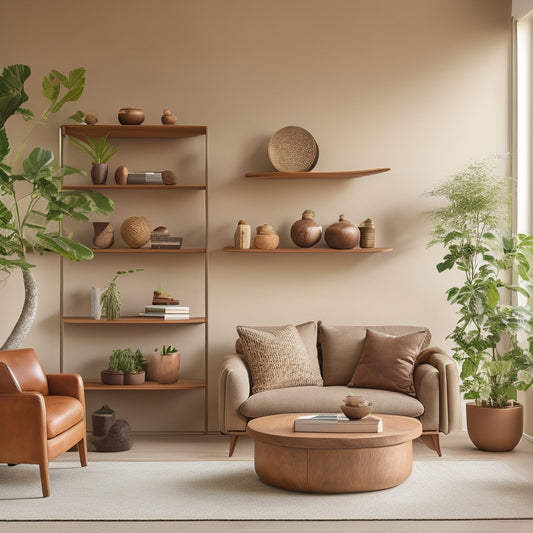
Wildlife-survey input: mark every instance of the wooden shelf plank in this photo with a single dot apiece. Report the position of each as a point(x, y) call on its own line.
point(133, 186)
point(149, 250)
point(131, 320)
point(316, 175)
point(181, 384)
point(308, 250)
point(142, 131)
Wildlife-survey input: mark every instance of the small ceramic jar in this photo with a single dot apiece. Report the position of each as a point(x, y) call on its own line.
point(266, 238)
point(131, 116)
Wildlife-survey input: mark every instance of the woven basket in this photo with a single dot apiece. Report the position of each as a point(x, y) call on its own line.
point(135, 231)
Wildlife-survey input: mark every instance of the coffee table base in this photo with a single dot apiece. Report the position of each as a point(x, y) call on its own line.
point(333, 470)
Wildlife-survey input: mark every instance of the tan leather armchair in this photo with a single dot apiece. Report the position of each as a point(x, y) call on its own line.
point(41, 415)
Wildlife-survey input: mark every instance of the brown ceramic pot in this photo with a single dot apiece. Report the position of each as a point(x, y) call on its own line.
point(134, 378)
point(306, 232)
point(495, 429)
point(342, 235)
point(131, 116)
point(99, 173)
point(104, 235)
point(163, 368)
point(112, 377)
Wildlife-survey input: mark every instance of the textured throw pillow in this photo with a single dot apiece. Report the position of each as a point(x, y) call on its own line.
point(277, 359)
point(388, 362)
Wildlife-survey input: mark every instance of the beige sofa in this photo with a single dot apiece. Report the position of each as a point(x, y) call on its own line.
point(338, 351)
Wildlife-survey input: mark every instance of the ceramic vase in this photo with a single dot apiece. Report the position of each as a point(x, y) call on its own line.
point(99, 173)
point(96, 308)
point(104, 235)
point(243, 236)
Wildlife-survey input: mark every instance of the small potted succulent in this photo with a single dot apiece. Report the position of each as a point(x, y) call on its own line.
point(163, 367)
point(100, 151)
point(134, 374)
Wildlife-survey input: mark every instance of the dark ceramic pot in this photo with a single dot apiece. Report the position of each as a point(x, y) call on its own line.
point(112, 377)
point(99, 173)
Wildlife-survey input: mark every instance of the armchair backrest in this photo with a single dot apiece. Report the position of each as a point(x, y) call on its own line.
point(27, 369)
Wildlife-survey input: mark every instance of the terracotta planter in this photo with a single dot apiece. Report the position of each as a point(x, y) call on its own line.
point(495, 429)
point(163, 368)
point(112, 377)
point(134, 378)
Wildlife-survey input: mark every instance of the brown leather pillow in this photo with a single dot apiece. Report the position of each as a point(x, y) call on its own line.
point(388, 362)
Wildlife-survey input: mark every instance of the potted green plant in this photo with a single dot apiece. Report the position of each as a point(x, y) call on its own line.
point(32, 201)
point(163, 367)
point(100, 151)
point(134, 374)
point(493, 338)
point(110, 298)
point(125, 366)
point(114, 373)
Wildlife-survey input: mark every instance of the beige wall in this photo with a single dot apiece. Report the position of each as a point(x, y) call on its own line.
point(421, 86)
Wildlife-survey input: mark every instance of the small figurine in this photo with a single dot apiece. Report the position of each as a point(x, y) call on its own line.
point(168, 117)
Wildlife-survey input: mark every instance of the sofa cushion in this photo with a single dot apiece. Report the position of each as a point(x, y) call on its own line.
point(327, 400)
point(277, 359)
point(308, 333)
point(387, 361)
point(342, 346)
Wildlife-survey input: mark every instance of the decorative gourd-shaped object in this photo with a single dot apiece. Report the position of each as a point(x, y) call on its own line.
point(266, 238)
point(243, 234)
point(135, 231)
point(306, 232)
point(342, 235)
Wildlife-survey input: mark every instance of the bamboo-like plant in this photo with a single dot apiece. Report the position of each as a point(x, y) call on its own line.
point(110, 298)
point(493, 338)
point(98, 148)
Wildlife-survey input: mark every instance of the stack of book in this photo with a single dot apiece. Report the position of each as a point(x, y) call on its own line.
point(166, 312)
point(145, 178)
point(337, 423)
point(165, 240)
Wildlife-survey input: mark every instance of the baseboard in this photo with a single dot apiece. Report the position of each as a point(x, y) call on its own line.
point(527, 437)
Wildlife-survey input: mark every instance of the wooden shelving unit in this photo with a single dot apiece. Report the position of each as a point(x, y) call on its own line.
point(308, 250)
point(115, 255)
point(347, 174)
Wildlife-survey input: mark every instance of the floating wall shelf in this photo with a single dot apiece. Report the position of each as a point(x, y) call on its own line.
point(316, 175)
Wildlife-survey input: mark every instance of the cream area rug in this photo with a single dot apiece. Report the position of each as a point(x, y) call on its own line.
point(230, 490)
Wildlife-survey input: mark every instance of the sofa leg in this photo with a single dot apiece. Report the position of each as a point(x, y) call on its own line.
point(432, 440)
point(82, 450)
point(232, 444)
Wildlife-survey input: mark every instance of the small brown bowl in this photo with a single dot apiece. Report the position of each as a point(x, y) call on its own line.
point(355, 413)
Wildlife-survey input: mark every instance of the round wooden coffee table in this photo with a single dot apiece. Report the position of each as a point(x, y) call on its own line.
point(333, 462)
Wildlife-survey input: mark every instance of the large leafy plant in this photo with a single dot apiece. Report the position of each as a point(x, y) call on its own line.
point(32, 201)
point(493, 339)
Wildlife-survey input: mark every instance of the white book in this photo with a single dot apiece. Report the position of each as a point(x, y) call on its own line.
point(167, 316)
point(337, 423)
point(162, 308)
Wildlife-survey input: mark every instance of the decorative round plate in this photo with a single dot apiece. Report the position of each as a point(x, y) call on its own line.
point(292, 149)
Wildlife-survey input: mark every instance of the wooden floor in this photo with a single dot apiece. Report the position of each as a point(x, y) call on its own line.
point(215, 447)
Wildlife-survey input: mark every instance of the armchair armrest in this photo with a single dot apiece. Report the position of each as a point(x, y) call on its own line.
point(23, 423)
point(8, 381)
point(449, 396)
point(66, 385)
point(234, 387)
